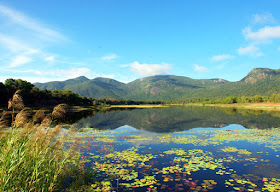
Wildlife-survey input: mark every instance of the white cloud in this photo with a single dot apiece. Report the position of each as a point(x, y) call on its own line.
point(259, 36)
point(28, 23)
point(263, 34)
point(250, 50)
point(200, 68)
point(222, 57)
point(20, 60)
point(149, 69)
point(263, 18)
point(109, 57)
point(50, 58)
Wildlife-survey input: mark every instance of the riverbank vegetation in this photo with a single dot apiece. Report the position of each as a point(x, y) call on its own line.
point(33, 156)
point(274, 98)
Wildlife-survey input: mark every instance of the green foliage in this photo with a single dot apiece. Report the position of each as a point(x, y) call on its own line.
point(35, 97)
point(16, 84)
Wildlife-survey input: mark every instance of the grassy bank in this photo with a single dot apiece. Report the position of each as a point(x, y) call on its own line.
point(252, 106)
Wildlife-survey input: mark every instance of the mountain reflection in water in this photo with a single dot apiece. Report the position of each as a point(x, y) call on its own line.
point(174, 119)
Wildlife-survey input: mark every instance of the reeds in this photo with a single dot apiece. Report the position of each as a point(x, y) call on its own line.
point(5, 120)
point(39, 116)
point(16, 102)
point(59, 111)
point(23, 117)
point(34, 158)
point(25, 114)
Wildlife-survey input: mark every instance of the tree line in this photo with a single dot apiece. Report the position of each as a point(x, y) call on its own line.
point(34, 97)
point(274, 98)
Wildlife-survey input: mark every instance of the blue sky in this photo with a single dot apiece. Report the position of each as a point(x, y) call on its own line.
point(52, 40)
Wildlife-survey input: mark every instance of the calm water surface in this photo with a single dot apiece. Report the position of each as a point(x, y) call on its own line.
point(182, 149)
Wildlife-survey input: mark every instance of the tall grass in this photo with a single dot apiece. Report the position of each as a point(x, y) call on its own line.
point(34, 157)
point(31, 159)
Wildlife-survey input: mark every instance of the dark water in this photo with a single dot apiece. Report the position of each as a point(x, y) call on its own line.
point(182, 149)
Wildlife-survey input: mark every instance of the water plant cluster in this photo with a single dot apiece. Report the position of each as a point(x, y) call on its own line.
point(204, 160)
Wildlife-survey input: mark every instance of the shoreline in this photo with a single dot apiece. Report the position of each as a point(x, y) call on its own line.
point(252, 106)
point(139, 106)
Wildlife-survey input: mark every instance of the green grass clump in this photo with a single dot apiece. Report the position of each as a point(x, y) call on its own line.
point(33, 157)
point(31, 160)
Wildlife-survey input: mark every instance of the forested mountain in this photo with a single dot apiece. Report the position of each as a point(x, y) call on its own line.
point(97, 88)
point(260, 81)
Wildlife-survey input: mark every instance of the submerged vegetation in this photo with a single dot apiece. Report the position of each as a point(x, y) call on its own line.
point(199, 160)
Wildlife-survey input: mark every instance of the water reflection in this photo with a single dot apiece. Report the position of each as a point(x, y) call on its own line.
point(180, 118)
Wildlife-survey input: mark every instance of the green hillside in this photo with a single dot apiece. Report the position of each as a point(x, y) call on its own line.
point(260, 81)
point(96, 88)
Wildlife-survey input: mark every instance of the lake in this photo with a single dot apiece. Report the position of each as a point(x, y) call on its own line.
point(181, 149)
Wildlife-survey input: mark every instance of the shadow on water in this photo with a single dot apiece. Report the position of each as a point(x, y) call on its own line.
point(179, 118)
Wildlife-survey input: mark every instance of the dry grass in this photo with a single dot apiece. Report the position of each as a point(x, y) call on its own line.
point(59, 111)
point(253, 106)
point(5, 120)
point(23, 117)
point(16, 102)
point(46, 121)
point(39, 116)
point(138, 106)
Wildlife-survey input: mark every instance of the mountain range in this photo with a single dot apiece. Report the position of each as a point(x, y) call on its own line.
point(259, 81)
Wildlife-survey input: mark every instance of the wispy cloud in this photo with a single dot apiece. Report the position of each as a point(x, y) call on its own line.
point(12, 44)
point(20, 60)
point(149, 69)
point(250, 50)
point(200, 68)
point(50, 58)
point(222, 57)
point(28, 23)
point(109, 57)
point(264, 18)
point(24, 40)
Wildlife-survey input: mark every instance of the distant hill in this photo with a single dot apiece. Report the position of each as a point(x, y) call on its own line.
point(259, 81)
point(96, 88)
